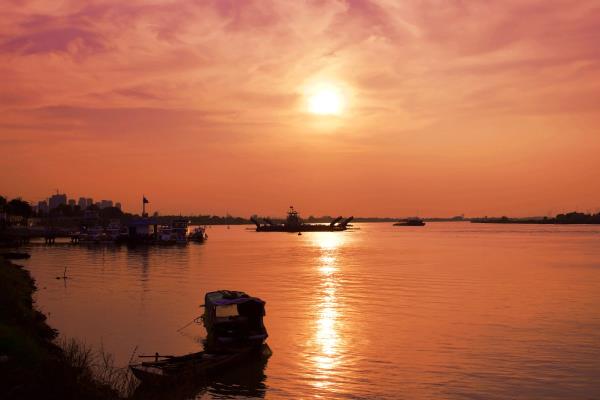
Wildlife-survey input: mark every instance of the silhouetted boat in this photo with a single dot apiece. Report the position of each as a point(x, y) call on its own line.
point(233, 319)
point(165, 369)
point(294, 223)
point(174, 233)
point(235, 332)
point(198, 235)
point(410, 222)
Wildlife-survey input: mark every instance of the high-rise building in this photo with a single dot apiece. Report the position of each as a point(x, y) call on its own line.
point(106, 203)
point(89, 202)
point(82, 203)
point(56, 200)
point(71, 203)
point(118, 205)
point(43, 207)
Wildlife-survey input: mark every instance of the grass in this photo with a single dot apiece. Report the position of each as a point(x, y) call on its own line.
point(32, 365)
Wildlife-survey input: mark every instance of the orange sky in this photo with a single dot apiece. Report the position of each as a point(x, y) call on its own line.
point(482, 108)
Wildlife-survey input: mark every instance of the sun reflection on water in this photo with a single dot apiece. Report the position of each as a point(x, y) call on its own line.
point(327, 338)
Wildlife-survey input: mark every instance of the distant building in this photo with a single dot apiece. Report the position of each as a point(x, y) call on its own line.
point(56, 200)
point(89, 202)
point(43, 207)
point(71, 203)
point(105, 204)
point(118, 205)
point(82, 203)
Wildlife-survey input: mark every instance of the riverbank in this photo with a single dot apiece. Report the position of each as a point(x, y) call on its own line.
point(31, 364)
point(572, 218)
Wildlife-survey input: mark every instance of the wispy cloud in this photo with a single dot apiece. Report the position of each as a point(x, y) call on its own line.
point(234, 72)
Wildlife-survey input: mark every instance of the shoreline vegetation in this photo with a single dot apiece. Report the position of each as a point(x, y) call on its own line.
point(33, 364)
point(572, 218)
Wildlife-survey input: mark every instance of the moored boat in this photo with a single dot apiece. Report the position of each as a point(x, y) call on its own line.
point(235, 334)
point(233, 319)
point(192, 366)
point(174, 233)
point(198, 235)
point(179, 227)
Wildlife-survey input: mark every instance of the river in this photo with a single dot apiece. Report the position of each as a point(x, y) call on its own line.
point(450, 310)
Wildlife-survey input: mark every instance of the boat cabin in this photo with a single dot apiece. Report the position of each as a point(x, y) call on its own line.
point(233, 319)
point(293, 219)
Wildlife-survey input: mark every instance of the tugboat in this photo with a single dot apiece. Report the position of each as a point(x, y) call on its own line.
point(294, 224)
point(410, 222)
point(235, 334)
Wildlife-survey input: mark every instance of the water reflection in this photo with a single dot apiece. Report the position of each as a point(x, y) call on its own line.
point(326, 336)
point(357, 314)
point(246, 381)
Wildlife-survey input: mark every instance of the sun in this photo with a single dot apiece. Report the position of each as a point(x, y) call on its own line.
point(326, 100)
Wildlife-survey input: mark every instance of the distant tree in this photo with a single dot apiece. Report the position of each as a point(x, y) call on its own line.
point(20, 208)
point(111, 213)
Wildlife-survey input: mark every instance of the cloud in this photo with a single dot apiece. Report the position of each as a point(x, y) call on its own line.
point(70, 40)
point(233, 73)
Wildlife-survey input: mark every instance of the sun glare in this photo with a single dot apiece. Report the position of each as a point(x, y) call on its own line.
point(326, 100)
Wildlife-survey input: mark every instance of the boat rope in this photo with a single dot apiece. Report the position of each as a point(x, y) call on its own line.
point(196, 320)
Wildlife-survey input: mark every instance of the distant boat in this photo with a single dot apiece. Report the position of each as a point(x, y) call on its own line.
point(174, 233)
point(198, 235)
point(294, 223)
point(410, 222)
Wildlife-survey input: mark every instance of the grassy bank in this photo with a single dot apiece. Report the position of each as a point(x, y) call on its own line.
point(31, 364)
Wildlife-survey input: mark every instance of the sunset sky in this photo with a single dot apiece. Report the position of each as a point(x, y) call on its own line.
point(363, 107)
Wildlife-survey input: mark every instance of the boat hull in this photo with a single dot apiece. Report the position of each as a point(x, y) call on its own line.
point(300, 228)
point(194, 366)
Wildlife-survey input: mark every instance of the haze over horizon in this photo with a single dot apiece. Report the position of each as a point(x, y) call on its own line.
point(363, 107)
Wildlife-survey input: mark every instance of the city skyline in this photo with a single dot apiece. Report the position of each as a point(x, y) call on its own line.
point(57, 199)
point(136, 209)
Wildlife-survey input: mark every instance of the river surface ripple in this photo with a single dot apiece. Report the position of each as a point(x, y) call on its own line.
point(449, 310)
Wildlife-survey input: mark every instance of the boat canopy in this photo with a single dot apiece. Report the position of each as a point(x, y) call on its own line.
point(233, 318)
point(239, 300)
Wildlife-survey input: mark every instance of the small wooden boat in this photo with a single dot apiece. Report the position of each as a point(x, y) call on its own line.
point(235, 334)
point(192, 366)
point(233, 319)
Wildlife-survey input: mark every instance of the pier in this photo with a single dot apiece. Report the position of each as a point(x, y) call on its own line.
point(22, 235)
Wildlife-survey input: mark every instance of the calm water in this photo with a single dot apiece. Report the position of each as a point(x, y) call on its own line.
point(449, 310)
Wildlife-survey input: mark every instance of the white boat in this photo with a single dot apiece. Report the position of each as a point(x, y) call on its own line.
point(174, 233)
point(179, 227)
point(94, 234)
